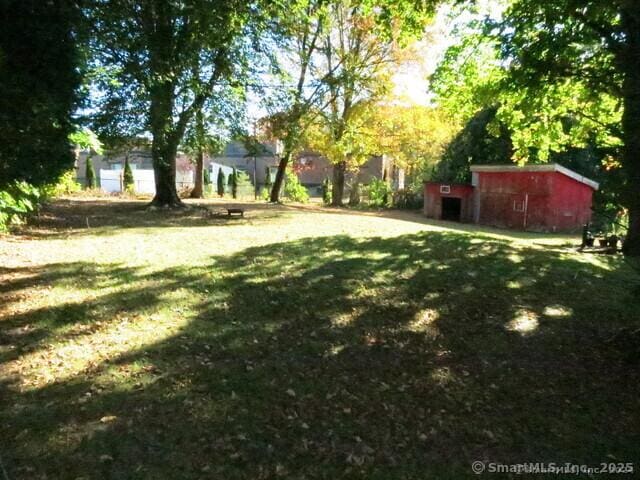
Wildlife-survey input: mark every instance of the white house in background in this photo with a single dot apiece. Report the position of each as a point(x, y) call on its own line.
point(112, 181)
point(235, 155)
point(214, 168)
point(312, 168)
point(109, 170)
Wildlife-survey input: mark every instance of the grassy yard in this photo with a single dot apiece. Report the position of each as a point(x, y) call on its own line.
point(306, 343)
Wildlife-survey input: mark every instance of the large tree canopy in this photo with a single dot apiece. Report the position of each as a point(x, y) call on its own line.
point(588, 54)
point(336, 54)
point(39, 83)
point(565, 75)
point(157, 64)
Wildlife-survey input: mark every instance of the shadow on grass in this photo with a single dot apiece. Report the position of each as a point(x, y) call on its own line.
point(63, 217)
point(331, 357)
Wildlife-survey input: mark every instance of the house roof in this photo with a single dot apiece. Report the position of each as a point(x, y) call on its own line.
point(548, 167)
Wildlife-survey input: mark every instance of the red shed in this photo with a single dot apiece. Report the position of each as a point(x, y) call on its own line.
point(446, 201)
point(534, 197)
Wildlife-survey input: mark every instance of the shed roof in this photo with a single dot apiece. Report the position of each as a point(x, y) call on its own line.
point(548, 167)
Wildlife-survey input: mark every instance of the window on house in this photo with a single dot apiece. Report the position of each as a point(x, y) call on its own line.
point(518, 206)
point(445, 189)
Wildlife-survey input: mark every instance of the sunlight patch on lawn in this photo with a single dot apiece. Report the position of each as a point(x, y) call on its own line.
point(346, 318)
point(334, 350)
point(61, 361)
point(557, 311)
point(424, 322)
point(522, 282)
point(442, 376)
point(524, 322)
point(604, 262)
point(515, 258)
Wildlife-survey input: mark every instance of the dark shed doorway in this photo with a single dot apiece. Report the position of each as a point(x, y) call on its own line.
point(451, 208)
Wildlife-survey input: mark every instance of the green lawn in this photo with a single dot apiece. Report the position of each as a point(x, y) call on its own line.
point(306, 343)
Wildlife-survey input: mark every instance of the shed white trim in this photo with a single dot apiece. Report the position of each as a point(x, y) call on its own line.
point(549, 167)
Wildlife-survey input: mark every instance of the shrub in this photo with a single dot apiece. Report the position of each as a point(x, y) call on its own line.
point(233, 183)
point(17, 202)
point(408, 199)
point(244, 184)
point(294, 190)
point(265, 194)
point(326, 191)
point(90, 175)
point(206, 182)
point(65, 185)
point(354, 194)
point(221, 182)
point(379, 193)
point(267, 179)
point(127, 177)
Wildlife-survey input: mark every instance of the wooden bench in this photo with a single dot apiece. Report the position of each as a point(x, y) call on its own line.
point(235, 211)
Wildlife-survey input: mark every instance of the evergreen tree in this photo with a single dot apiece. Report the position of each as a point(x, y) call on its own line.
point(221, 182)
point(127, 178)
point(90, 174)
point(39, 80)
point(267, 178)
point(233, 181)
point(326, 191)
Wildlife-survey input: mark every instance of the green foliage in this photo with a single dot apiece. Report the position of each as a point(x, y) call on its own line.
point(379, 193)
point(326, 191)
point(521, 66)
point(166, 61)
point(244, 186)
point(312, 36)
point(233, 183)
point(221, 182)
point(474, 144)
point(90, 175)
point(18, 200)
point(408, 199)
point(268, 181)
point(39, 85)
point(127, 177)
point(206, 177)
point(294, 190)
point(65, 185)
point(86, 139)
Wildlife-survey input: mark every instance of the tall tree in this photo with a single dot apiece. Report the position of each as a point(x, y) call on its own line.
point(39, 84)
point(212, 126)
point(586, 55)
point(159, 61)
point(299, 34)
point(357, 58)
point(414, 136)
point(308, 31)
point(361, 47)
point(567, 78)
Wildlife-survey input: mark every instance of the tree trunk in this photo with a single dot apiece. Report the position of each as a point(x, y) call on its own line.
point(337, 193)
point(198, 191)
point(629, 60)
point(164, 169)
point(277, 184)
point(354, 194)
point(164, 147)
